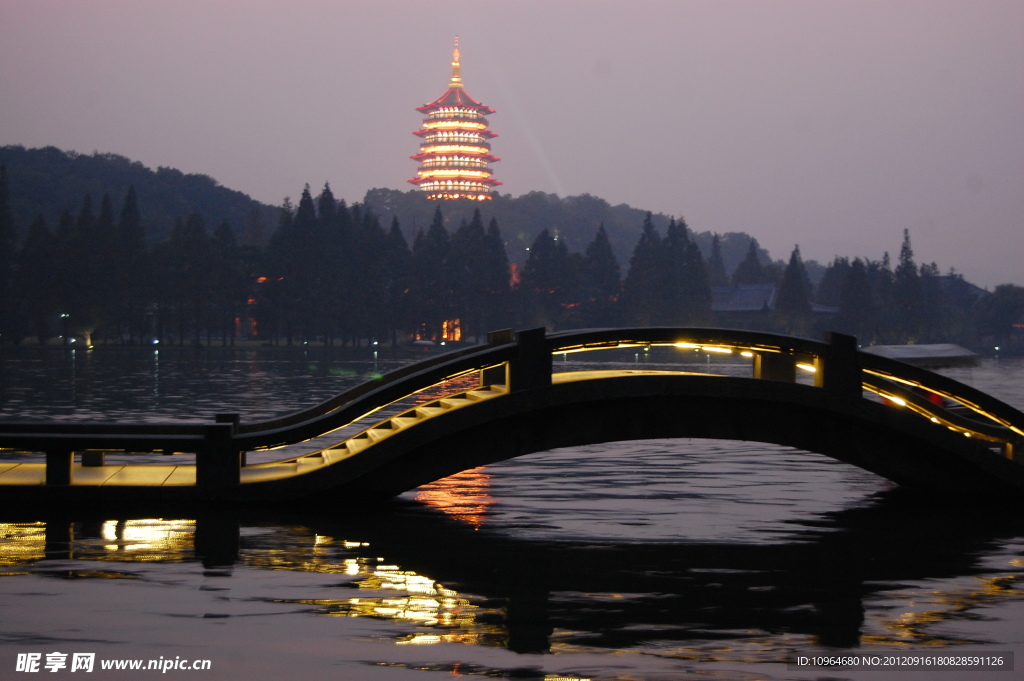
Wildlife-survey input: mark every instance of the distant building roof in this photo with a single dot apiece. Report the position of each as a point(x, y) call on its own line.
point(751, 298)
point(926, 355)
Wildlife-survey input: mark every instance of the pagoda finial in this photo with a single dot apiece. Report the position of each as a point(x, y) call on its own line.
point(456, 67)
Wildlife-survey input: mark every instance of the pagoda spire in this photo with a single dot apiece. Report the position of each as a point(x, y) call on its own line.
point(456, 66)
point(455, 154)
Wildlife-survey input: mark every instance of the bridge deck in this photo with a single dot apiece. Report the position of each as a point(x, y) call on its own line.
point(125, 475)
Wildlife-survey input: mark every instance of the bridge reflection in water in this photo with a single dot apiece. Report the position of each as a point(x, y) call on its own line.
point(452, 580)
point(489, 403)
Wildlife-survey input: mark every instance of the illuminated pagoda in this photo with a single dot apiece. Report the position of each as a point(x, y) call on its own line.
point(454, 154)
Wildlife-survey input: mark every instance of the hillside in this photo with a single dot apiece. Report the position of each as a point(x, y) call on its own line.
point(574, 219)
point(47, 181)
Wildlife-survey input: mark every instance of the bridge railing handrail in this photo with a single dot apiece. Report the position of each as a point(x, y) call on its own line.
point(354, 403)
point(356, 392)
point(480, 357)
point(1008, 420)
point(982, 403)
point(189, 437)
point(940, 414)
point(563, 341)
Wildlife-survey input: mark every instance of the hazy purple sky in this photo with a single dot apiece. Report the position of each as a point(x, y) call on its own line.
point(831, 124)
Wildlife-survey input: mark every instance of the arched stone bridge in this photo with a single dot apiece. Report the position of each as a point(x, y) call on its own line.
point(500, 400)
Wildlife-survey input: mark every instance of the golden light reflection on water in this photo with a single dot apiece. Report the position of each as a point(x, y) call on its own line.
point(383, 590)
point(147, 540)
point(133, 540)
point(375, 587)
point(464, 496)
point(21, 543)
point(922, 611)
point(420, 600)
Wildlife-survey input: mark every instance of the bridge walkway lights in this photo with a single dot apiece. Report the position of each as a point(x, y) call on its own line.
point(369, 437)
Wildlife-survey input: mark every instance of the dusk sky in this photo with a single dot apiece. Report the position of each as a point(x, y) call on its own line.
point(834, 125)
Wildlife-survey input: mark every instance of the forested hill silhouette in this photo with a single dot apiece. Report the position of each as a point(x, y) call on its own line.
point(572, 219)
point(323, 271)
point(47, 181)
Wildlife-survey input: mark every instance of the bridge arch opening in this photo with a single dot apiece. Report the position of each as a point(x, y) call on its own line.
point(669, 489)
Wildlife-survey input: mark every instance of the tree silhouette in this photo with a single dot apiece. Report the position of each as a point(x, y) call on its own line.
point(793, 302)
point(646, 279)
point(602, 282)
point(35, 282)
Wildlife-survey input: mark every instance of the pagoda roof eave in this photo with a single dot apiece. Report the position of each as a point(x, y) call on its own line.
point(484, 157)
point(483, 133)
point(488, 181)
point(455, 97)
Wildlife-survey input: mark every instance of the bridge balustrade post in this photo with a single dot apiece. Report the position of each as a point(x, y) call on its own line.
point(497, 375)
point(775, 366)
point(93, 459)
point(234, 420)
point(59, 463)
point(838, 371)
point(532, 366)
point(1014, 450)
point(218, 462)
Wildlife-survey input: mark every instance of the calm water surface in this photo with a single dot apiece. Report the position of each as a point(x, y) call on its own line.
point(654, 560)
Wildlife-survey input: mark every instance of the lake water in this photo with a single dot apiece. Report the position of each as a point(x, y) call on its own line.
point(652, 560)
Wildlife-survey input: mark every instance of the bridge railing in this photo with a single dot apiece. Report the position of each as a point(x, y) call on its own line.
point(838, 367)
point(328, 406)
point(220, 447)
point(523, 361)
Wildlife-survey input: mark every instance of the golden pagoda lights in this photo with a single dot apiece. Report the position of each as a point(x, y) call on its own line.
point(455, 154)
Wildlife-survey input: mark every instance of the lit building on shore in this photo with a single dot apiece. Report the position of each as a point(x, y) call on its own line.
point(455, 155)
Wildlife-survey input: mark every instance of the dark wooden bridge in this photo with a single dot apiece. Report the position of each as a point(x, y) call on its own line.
point(500, 400)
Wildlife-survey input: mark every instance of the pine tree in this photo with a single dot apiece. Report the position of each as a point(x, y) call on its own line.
point(35, 282)
point(645, 279)
point(496, 312)
point(670, 296)
point(696, 288)
point(132, 276)
point(192, 244)
point(228, 283)
point(716, 266)
point(602, 281)
point(79, 260)
point(750, 270)
point(883, 321)
point(274, 295)
point(550, 284)
point(793, 302)
point(934, 312)
point(431, 287)
point(397, 260)
point(906, 295)
point(465, 269)
point(857, 304)
point(8, 244)
point(369, 242)
point(831, 286)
